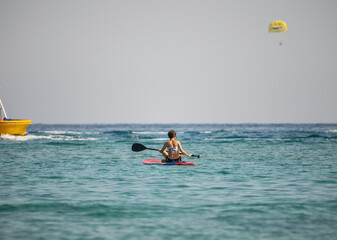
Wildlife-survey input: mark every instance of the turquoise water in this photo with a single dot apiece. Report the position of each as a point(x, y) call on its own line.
point(251, 182)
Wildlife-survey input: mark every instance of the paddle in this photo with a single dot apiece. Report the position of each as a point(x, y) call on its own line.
point(137, 147)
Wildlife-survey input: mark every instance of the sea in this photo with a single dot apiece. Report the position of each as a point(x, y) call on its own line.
point(252, 181)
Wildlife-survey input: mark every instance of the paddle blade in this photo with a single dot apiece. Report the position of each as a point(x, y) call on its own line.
point(137, 147)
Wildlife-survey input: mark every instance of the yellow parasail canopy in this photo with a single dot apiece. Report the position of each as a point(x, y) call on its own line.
point(277, 26)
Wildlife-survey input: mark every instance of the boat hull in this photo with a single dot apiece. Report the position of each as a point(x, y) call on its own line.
point(14, 127)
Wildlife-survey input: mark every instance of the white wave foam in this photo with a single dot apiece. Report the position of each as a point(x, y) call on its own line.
point(70, 138)
point(229, 139)
point(149, 133)
point(68, 132)
point(23, 138)
point(206, 132)
point(331, 131)
point(160, 139)
point(50, 137)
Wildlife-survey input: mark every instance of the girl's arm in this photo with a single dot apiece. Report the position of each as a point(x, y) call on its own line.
point(182, 150)
point(163, 148)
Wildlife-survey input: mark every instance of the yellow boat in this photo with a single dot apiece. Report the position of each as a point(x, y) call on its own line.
point(12, 126)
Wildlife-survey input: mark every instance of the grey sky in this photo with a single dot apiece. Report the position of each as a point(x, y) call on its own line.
point(130, 61)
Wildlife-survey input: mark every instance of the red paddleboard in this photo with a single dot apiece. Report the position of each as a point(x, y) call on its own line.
point(159, 162)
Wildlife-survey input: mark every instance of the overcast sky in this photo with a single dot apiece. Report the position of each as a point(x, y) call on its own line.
point(173, 61)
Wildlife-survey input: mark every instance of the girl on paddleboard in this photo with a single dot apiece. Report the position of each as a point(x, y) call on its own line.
point(174, 149)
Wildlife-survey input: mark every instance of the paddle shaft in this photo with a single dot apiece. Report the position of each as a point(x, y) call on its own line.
point(152, 149)
point(198, 156)
point(137, 147)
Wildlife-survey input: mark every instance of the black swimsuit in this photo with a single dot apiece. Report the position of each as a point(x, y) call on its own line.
point(173, 160)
